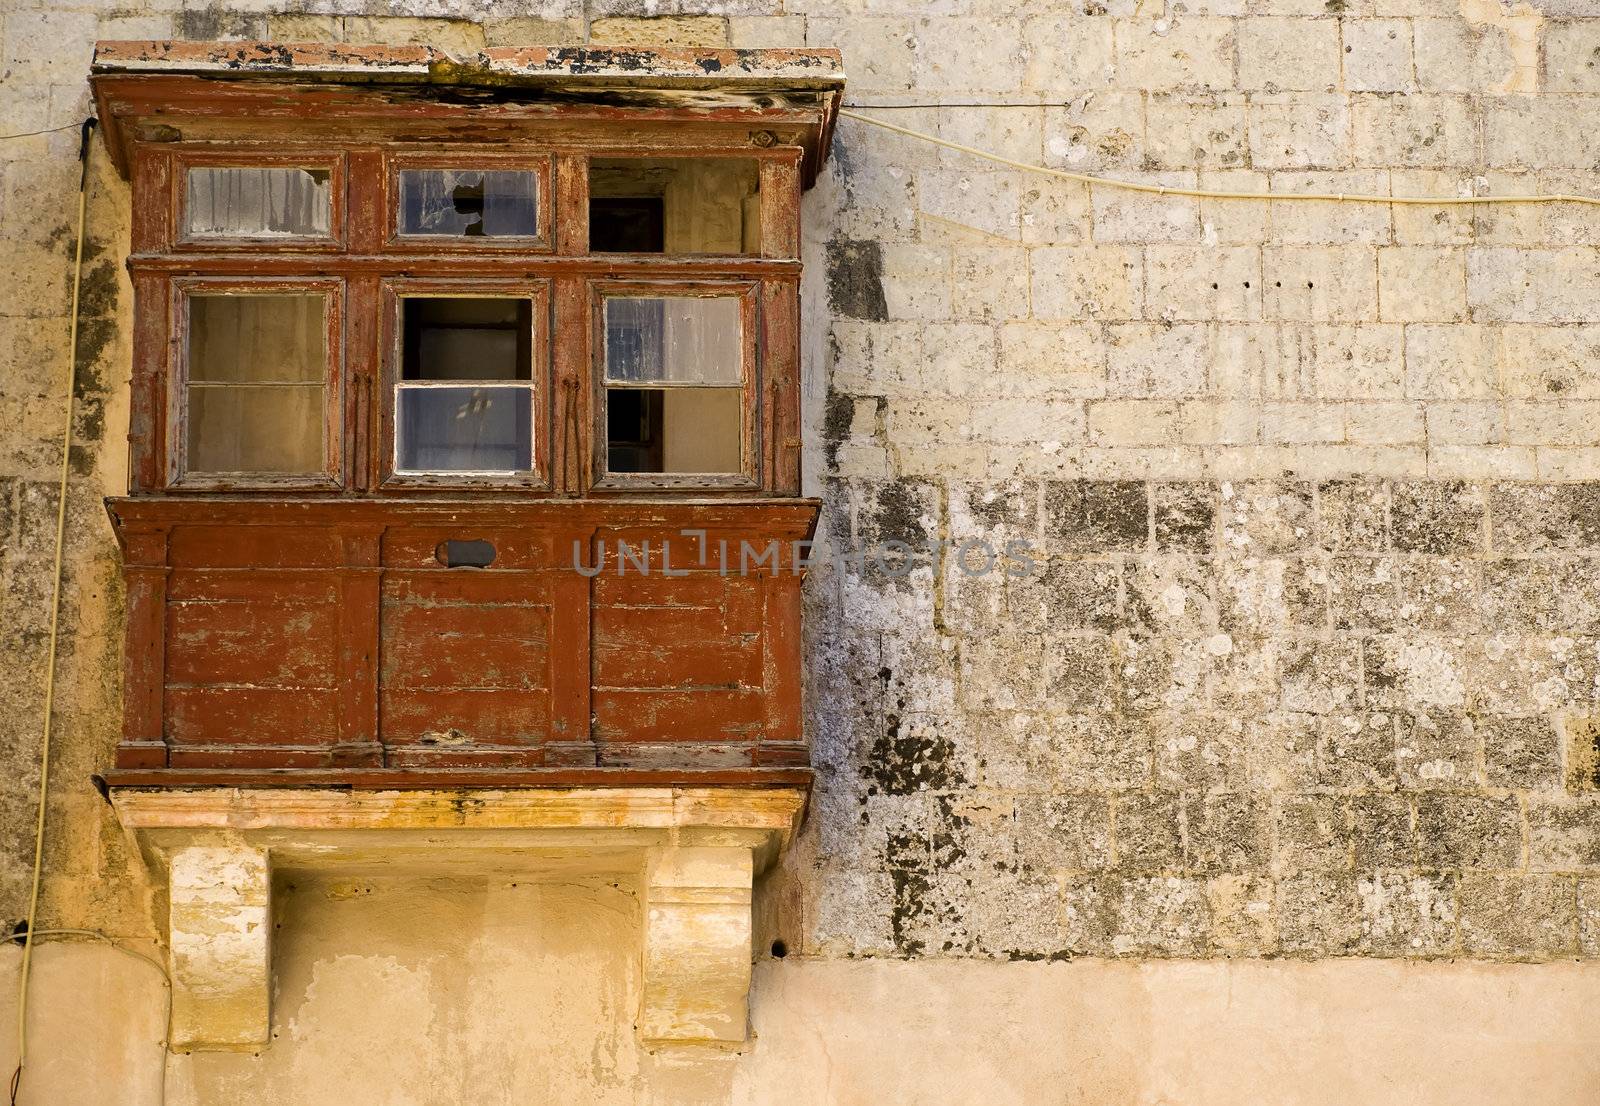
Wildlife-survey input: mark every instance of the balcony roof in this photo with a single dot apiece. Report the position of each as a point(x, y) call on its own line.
point(166, 81)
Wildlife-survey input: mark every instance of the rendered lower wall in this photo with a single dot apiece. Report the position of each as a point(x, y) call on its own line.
point(521, 994)
point(1276, 784)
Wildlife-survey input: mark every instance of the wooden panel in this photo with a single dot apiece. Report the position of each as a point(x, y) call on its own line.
point(706, 663)
point(475, 716)
point(251, 716)
point(707, 715)
point(281, 642)
point(144, 660)
point(254, 547)
point(263, 643)
point(461, 647)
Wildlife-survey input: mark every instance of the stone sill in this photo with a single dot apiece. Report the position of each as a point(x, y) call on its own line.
point(696, 852)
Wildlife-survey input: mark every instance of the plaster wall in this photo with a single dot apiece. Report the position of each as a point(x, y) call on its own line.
point(479, 993)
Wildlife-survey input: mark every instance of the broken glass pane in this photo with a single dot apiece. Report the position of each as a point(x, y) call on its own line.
point(673, 339)
point(228, 202)
point(474, 203)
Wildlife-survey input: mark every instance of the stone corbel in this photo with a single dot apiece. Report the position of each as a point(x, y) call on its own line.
point(220, 946)
point(694, 852)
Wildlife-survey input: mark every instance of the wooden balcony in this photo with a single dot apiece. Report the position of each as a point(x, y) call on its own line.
point(322, 642)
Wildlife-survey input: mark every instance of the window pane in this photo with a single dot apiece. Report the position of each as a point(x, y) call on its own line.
point(674, 205)
point(467, 339)
point(674, 339)
point(468, 202)
point(465, 429)
point(256, 338)
point(257, 376)
point(256, 428)
point(258, 203)
point(680, 430)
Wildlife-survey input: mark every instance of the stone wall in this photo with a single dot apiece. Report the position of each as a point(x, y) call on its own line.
point(1307, 664)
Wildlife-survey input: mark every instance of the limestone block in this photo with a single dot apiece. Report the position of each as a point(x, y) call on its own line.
point(1356, 361)
point(1043, 358)
point(1384, 423)
point(882, 51)
point(969, 55)
point(989, 284)
point(1572, 56)
point(1087, 282)
point(958, 359)
point(1484, 462)
point(49, 45)
point(1203, 283)
point(1564, 422)
point(1103, 130)
point(1156, 359)
point(1302, 422)
point(696, 944)
point(1518, 914)
point(1124, 216)
point(1549, 362)
point(529, 31)
point(1066, 56)
point(297, 27)
point(1461, 55)
point(969, 204)
point(1320, 283)
point(1014, 132)
point(1312, 223)
point(454, 35)
point(1306, 131)
point(665, 30)
point(1115, 422)
point(1533, 286)
point(220, 935)
point(1549, 131)
point(1288, 54)
point(1415, 225)
point(1377, 55)
point(916, 282)
point(1160, 55)
point(1465, 423)
point(1187, 131)
point(1421, 284)
point(1450, 361)
point(764, 32)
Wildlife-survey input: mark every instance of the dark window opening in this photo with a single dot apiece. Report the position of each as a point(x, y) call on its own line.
point(682, 205)
point(464, 400)
point(627, 224)
point(467, 339)
point(633, 429)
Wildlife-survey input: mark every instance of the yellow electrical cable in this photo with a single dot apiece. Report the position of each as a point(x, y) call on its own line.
point(1209, 194)
point(55, 623)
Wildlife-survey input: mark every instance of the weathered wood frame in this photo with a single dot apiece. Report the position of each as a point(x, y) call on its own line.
point(459, 157)
point(335, 418)
point(184, 160)
point(752, 475)
point(569, 434)
point(384, 446)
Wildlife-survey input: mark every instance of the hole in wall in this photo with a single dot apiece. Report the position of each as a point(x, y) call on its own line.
point(465, 554)
point(779, 949)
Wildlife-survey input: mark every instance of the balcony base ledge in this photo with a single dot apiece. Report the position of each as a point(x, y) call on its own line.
point(695, 851)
